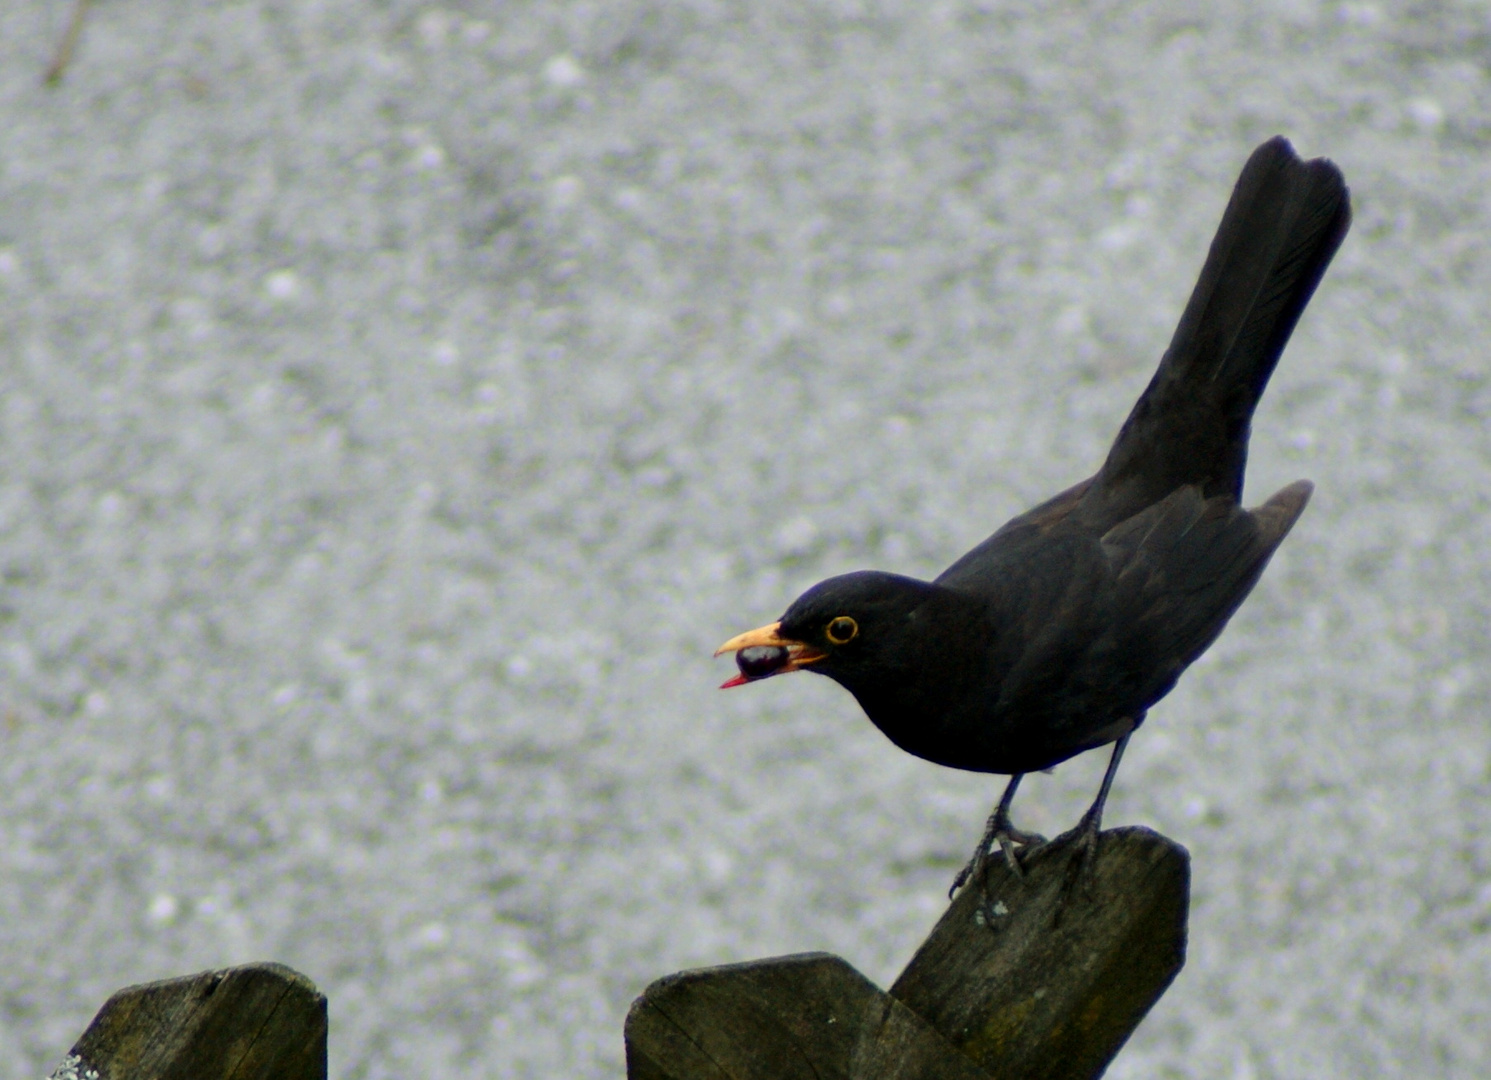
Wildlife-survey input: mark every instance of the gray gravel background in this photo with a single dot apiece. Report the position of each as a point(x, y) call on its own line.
point(399, 403)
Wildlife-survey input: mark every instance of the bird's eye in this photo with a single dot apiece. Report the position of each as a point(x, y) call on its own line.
point(842, 630)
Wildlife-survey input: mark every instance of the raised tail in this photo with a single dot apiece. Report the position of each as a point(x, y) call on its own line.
point(1284, 223)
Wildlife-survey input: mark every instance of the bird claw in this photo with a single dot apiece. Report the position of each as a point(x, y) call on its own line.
point(1009, 838)
point(1001, 832)
point(1081, 871)
point(1085, 863)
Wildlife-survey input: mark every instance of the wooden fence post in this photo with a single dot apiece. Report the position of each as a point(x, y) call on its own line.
point(1037, 980)
point(1042, 982)
point(256, 1022)
point(1041, 998)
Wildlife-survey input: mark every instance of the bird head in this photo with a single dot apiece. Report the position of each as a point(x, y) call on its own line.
point(844, 627)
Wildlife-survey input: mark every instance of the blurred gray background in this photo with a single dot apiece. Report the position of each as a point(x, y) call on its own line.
point(398, 404)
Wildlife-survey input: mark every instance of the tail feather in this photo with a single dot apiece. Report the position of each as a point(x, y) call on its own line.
point(1283, 225)
point(1277, 516)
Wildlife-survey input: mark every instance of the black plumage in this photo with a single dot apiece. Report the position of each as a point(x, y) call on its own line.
point(1056, 634)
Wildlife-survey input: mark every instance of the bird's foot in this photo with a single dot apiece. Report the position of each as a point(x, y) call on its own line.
point(1008, 838)
point(1081, 871)
point(998, 831)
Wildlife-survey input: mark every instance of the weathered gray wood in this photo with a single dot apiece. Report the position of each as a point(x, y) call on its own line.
point(1044, 981)
point(244, 1023)
point(1030, 996)
point(809, 1016)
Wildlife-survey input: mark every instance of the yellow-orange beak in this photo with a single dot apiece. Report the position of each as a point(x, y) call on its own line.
point(799, 654)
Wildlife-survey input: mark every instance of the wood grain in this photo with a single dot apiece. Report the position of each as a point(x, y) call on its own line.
point(1050, 976)
point(244, 1023)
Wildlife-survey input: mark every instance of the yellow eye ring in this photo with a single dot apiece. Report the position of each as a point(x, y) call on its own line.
point(842, 630)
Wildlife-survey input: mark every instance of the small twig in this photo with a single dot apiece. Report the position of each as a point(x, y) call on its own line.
point(68, 45)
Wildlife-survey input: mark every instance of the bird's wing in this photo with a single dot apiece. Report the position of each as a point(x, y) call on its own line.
point(1107, 634)
point(1178, 570)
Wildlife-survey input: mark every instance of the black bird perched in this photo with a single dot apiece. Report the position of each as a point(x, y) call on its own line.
point(1056, 634)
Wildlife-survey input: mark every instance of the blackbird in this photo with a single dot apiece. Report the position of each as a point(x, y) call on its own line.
point(1056, 634)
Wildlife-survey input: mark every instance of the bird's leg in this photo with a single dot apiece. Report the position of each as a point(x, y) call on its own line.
point(1001, 831)
point(1092, 821)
